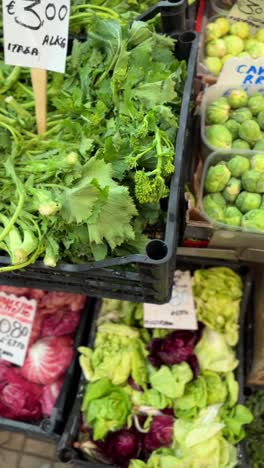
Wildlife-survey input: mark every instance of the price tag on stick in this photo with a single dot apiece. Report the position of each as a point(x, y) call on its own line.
point(179, 313)
point(16, 319)
point(36, 33)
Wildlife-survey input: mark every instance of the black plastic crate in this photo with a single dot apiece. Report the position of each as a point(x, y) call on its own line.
point(66, 452)
point(53, 426)
point(141, 277)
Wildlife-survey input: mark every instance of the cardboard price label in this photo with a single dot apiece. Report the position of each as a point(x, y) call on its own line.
point(242, 71)
point(250, 11)
point(36, 33)
point(16, 319)
point(179, 313)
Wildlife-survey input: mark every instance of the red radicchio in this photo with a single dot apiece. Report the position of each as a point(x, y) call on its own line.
point(20, 399)
point(60, 323)
point(121, 446)
point(54, 301)
point(160, 433)
point(49, 397)
point(48, 359)
point(174, 349)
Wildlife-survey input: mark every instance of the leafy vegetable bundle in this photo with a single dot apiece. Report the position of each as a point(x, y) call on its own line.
point(88, 189)
point(236, 121)
point(235, 192)
point(159, 398)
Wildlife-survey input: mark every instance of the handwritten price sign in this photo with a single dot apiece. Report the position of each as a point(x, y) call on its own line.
point(36, 33)
point(250, 11)
point(179, 313)
point(16, 319)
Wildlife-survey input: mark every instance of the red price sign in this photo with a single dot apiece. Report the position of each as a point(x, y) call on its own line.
point(16, 319)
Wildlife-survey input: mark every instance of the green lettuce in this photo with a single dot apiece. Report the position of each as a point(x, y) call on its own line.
point(151, 398)
point(106, 407)
point(194, 398)
point(171, 381)
point(119, 354)
point(234, 420)
point(214, 353)
point(216, 387)
point(197, 444)
point(217, 292)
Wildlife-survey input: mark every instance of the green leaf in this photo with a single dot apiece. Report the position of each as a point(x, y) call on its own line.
point(113, 224)
point(171, 382)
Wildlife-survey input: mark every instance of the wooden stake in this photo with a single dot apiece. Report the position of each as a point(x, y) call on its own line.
point(39, 83)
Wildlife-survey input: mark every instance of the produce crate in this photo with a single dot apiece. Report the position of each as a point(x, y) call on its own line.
point(66, 452)
point(53, 426)
point(141, 277)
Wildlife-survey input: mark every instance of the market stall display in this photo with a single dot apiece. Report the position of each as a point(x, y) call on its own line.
point(95, 207)
point(162, 384)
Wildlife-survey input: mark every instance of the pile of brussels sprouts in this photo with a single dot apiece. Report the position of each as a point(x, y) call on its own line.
point(235, 192)
point(236, 121)
point(224, 40)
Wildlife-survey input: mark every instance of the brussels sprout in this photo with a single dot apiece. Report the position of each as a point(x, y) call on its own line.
point(240, 144)
point(223, 100)
point(256, 103)
point(216, 178)
point(262, 203)
point(253, 181)
point(260, 119)
point(215, 48)
point(249, 131)
point(214, 65)
point(212, 31)
point(238, 165)
point(218, 136)
point(240, 29)
point(238, 98)
point(242, 114)
point(259, 146)
point(223, 24)
point(233, 216)
point(232, 189)
point(248, 201)
point(233, 44)
point(248, 42)
point(217, 112)
point(243, 54)
point(214, 206)
point(254, 219)
point(233, 128)
point(255, 49)
point(257, 162)
point(260, 35)
point(226, 57)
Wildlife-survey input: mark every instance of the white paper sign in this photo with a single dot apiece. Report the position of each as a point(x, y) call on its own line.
point(179, 313)
point(243, 71)
point(36, 33)
point(16, 319)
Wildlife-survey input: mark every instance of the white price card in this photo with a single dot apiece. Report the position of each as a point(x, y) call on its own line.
point(36, 33)
point(179, 313)
point(16, 319)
